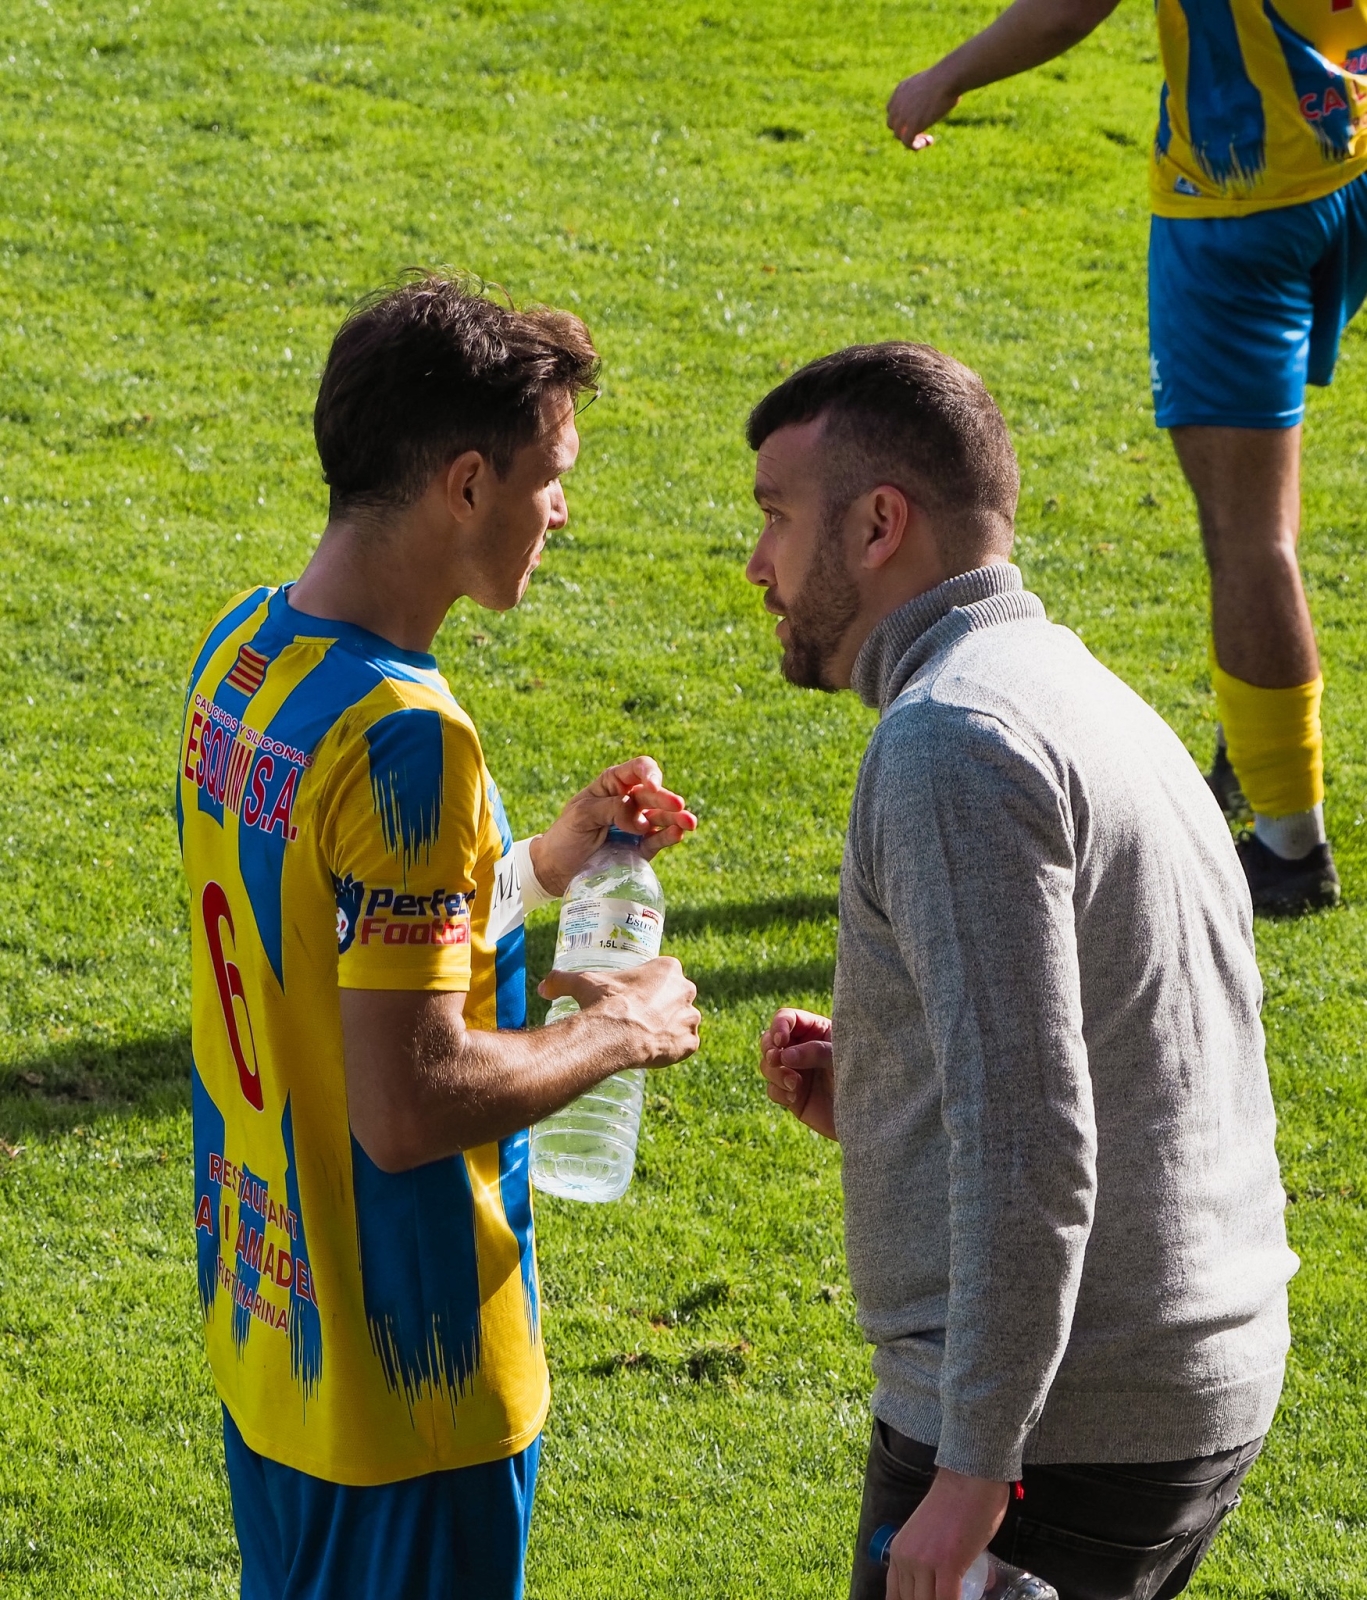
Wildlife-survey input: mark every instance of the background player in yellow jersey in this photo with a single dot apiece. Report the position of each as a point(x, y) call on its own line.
point(362, 1080)
point(1257, 261)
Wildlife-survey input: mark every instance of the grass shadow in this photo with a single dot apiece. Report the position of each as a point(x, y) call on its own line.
point(722, 986)
point(748, 916)
point(56, 1090)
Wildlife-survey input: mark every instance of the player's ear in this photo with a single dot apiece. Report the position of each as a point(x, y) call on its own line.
point(886, 513)
point(465, 480)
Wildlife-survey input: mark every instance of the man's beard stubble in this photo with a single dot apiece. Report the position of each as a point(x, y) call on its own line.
point(821, 612)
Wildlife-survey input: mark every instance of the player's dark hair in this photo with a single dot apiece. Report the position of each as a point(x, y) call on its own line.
point(420, 373)
point(910, 416)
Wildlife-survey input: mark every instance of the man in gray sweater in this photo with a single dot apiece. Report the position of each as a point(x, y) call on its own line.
point(1045, 1066)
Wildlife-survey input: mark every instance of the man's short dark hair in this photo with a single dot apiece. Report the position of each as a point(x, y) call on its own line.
point(910, 416)
point(421, 373)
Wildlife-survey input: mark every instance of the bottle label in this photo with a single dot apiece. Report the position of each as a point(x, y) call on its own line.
point(618, 926)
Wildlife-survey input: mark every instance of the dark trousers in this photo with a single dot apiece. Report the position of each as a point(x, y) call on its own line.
point(1134, 1532)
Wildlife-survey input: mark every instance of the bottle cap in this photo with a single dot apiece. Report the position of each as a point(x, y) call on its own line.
point(880, 1544)
point(618, 835)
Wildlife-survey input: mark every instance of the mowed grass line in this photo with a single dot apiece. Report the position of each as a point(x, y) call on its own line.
point(193, 198)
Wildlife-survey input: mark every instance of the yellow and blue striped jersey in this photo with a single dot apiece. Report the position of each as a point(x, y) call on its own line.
point(339, 829)
point(1263, 104)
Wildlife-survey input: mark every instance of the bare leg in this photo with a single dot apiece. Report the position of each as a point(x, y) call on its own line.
point(1247, 483)
point(1247, 487)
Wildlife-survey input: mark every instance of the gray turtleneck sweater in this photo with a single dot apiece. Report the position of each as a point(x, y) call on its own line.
point(1062, 1206)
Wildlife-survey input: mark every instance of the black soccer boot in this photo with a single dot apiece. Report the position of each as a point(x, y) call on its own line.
point(1224, 783)
point(1282, 888)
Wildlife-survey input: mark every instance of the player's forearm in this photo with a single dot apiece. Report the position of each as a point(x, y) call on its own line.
point(1025, 35)
point(467, 1087)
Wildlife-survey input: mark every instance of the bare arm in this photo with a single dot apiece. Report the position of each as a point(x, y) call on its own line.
point(421, 1085)
point(1027, 34)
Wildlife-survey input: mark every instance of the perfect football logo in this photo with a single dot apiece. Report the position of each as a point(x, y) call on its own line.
point(395, 917)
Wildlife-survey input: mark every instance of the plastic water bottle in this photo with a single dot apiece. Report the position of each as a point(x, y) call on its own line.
point(611, 917)
point(986, 1579)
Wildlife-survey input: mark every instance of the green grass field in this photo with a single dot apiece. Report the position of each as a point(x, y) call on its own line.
point(193, 195)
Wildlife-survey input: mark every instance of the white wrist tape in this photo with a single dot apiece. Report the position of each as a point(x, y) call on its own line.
point(533, 893)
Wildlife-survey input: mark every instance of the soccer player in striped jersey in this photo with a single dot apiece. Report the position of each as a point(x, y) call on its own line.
point(362, 1076)
point(1257, 261)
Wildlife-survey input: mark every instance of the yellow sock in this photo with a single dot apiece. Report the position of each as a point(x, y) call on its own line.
point(1274, 742)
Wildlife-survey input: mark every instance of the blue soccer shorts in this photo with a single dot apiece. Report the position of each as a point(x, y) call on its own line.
point(458, 1535)
point(1245, 311)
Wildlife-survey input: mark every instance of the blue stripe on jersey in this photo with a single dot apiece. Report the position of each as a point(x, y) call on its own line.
point(226, 624)
point(309, 710)
point(505, 833)
point(276, 630)
point(251, 1243)
point(207, 1131)
point(1163, 138)
point(419, 1272)
point(1224, 109)
point(510, 979)
point(515, 1189)
point(306, 1328)
point(510, 953)
point(407, 767)
point(1323, 94)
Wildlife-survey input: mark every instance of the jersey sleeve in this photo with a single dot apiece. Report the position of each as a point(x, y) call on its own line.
point(402, 841)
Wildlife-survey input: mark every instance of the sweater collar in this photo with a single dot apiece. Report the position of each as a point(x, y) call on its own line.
point(907, 638)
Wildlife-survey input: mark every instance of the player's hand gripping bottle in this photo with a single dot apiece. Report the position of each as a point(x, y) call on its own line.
point(611, 917)
point(986, 1579)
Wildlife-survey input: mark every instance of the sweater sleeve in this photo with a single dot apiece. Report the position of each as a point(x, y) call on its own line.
point(969, 846)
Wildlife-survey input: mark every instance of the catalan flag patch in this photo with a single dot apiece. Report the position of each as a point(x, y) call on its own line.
point(248, 670)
